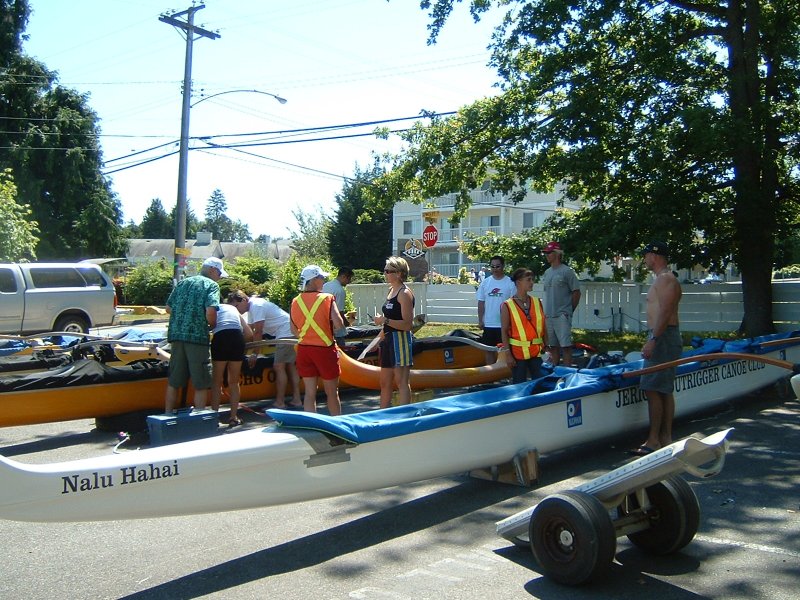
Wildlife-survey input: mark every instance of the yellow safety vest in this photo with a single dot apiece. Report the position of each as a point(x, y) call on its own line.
point(316, 328)
point(525, 337)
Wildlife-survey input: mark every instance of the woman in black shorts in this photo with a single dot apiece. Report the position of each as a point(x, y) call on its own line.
point(227, 354)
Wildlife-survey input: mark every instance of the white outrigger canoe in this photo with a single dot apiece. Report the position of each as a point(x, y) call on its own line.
point(307, 456)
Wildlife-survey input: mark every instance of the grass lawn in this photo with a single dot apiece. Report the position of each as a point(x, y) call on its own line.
point(602, 340)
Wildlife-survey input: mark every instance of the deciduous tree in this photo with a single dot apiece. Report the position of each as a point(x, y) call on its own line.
point(50, 136)
point(670, 119)
point(18, 232)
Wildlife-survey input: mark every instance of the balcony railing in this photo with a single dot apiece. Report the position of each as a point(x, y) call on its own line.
point(447, 235)
point(476, 196)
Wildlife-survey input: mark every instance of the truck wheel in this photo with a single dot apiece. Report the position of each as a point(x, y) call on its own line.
point(674, 518)
point(72, 324)
point(572, 537)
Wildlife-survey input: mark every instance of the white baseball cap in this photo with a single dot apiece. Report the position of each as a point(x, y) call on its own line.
point(213, 261)
point(311, 272)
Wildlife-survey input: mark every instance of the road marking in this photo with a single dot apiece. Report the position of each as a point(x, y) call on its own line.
point(447, 571)
point(747, 545)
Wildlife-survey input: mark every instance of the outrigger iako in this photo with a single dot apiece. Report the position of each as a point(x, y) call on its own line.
point(308, 456)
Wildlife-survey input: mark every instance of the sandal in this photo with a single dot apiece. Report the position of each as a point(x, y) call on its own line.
point(234, 422)
point(642, 450)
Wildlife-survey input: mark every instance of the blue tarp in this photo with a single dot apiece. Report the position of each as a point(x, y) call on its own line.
point(564, 384)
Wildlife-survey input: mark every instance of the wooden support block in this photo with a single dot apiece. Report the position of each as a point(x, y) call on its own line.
point(522, 470)
point(416, 396)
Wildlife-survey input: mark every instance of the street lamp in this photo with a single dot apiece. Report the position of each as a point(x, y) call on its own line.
point(183, 159)
point(204, 98)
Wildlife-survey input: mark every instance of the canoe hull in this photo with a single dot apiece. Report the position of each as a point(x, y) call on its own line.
point(56, 404)
point(274, 465)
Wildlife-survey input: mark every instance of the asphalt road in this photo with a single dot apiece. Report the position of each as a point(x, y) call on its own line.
point(434, 539)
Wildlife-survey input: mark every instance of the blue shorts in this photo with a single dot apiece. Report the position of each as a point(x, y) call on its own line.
point(396, 349)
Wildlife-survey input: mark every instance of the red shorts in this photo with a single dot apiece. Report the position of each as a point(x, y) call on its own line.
point(318, 361)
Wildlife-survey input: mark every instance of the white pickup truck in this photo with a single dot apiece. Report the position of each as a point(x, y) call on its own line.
point(40, 297)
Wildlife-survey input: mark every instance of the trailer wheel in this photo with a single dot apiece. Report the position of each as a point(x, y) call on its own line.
point(572, 537)
point(674, 518)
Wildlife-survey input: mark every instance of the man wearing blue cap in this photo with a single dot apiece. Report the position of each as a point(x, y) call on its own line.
point(663, 345)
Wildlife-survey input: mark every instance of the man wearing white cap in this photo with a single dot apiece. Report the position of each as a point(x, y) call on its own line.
point(315, 317)
point(192, 307)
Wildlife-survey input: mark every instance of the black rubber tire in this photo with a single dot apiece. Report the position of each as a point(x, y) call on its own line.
point(674, 518)
point(72, 324)
point(572, 537)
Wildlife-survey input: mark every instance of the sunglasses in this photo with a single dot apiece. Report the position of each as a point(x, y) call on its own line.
point(389, 271)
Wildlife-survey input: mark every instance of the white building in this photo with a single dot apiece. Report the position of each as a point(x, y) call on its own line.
point(489, 212)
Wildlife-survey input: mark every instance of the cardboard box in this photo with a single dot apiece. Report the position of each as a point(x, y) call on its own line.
point(181, 427)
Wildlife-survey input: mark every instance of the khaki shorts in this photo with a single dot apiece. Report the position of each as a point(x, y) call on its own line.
point(559, 330)
point(285, 353)
point(190, 360)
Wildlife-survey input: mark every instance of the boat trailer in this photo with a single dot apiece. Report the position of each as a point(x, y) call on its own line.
point(573, 534)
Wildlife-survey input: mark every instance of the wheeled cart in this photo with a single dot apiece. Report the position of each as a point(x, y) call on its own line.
point(573, 534)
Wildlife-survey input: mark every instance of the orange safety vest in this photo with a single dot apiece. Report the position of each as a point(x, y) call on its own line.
point(525, 339)
point(313, 311)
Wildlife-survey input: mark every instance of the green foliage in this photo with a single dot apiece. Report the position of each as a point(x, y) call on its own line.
point(254, 268)
point(234, 283)
point(368, 275)
point(286, 284)
point(465, 277)
point(518, 250)
point(156, 223)
point(51, 140)
point(439, 279)
point(312, 239)
point(357, 238)
point(220, 225)
point(149, 284)
point(193, 224)
point(17, 231)
point(789, 272)
point(638, 111)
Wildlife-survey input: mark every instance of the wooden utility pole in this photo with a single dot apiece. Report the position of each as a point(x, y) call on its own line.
point(191, 30)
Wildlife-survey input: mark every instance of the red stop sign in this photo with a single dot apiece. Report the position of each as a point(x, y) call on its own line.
point(429, 236)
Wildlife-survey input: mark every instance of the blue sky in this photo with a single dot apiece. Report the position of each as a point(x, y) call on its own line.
point(335, 61)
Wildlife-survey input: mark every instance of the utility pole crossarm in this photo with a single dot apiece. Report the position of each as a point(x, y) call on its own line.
point(169, 19)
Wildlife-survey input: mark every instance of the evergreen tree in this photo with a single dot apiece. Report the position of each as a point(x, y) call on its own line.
point(156, 223)
point(355, 238)
point(193, 225)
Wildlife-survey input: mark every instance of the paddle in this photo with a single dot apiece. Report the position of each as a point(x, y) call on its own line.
point(775, 362)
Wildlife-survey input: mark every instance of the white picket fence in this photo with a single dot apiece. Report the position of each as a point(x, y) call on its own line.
point(604, 306)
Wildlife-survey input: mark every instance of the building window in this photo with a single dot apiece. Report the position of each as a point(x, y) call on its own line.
point(490, 221)
point(527, 220)
point(408, 227)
